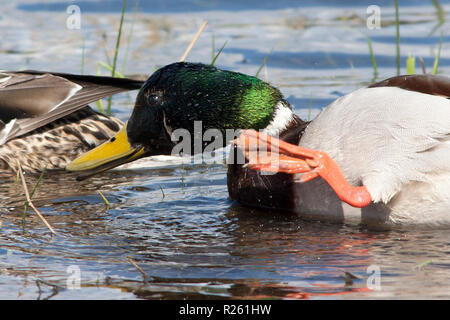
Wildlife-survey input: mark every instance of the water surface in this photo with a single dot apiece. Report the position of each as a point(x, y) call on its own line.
point(176, 221)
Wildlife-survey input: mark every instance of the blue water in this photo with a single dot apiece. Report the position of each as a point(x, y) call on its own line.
point(322, 60)
point(175, 6)
point(176, 221)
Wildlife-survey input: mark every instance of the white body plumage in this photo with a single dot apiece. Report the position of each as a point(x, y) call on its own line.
point(395, 142)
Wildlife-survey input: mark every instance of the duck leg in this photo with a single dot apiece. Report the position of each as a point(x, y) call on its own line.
point(266, 153)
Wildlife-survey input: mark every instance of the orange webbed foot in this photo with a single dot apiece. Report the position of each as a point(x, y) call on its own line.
point(267, 153)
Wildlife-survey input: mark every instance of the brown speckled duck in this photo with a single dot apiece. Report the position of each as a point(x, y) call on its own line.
point(45, 120)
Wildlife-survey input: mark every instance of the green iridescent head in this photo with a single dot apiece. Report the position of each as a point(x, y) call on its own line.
point(179, 96)
point(180, 93)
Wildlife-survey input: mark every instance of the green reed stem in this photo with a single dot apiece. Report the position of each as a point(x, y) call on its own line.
point(104, 199)
point(263, 63)
point(372, 58)
point(25, 207)
point(218, 53)
point(438, 56)
point(411, 65)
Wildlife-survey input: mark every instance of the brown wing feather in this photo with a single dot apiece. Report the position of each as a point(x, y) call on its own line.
point(424, 83)
point(35, 95)
point(85, 80)
point(38, 98)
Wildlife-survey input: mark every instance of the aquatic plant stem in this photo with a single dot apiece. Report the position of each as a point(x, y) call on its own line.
point(191, 45)
point(104, 199)
point(411, 65)
point(162, 191)
point(30, 203)
point(436, 60)
point(32, 193)
point(144, 275)
point(218, 53)
point(372, 58)
point(422, 64)
point(263, 63)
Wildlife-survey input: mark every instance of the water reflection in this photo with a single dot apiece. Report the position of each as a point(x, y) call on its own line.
point(176, 222)
point(200, 245)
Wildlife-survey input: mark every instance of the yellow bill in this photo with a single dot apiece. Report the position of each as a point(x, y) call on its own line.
point(110, 154)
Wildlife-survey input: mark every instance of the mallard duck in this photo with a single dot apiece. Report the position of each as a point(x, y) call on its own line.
point(45, 120)
point(387, 144)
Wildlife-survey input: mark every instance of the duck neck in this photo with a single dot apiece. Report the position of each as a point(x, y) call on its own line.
point(286, 124)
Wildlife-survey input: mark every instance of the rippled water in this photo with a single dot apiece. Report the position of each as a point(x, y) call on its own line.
point(176, 221)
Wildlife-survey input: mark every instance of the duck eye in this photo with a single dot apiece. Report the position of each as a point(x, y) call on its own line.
point(153, 99)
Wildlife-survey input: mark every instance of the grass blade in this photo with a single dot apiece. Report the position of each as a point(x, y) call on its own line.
point(104, 199)
point(263, 63)
point(440, 13)
point(411, 65)
point(30, 203)
point(422, 64)
point(372, 58)
point(144, 275)
point(25, 207)
point(37, 183)
point(162, 191)
point(436, 60)
point(109, 68)
point(218, 53)
point(191, 45)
